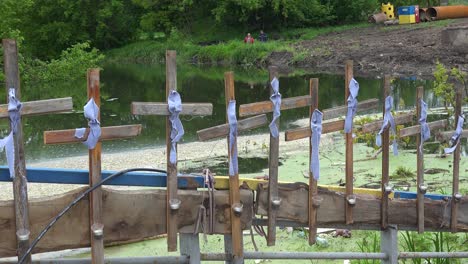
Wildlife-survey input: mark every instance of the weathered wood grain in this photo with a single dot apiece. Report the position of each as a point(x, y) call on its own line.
point(107, 133)
point(20, 182)
point(234, 194)
point(340, 111)
point(172, 215)
point(193, 109)
point(456, 164)
point(128, 215)
point(223, 130)
point(313, 190)
point(419, 162)
point(413, 130)
point(448, 134)
point(267, 107)
point(41, 107)
point(366, 212)
point(399, 120)
point(273, 163)
point(385, 158)
point(349, 171)
point(304, 132)
point(95, 209)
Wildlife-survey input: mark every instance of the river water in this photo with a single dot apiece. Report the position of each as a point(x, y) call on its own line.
point(123, 84)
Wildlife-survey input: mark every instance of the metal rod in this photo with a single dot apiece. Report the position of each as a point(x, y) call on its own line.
point(297, 255)
point(409, 255)
point(133, 260)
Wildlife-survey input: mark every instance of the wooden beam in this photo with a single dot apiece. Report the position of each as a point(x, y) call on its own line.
point(128, 216)
point(267, 107)
point(313, 191)
point(95, 208)
point(402, 212)
point(349, 150)
point(194, 109)
point(304, 132)
point(41, 107)
point(385, 159)
point(223, 130)
point(107, 133)
point(456, 165)
point(448, 134)
point(236, 229)
point(414, 130)
point(340, 111)
point(420, 162)
point(273, 163)
point(399, 120)
point(20, 182)
point(172, 215)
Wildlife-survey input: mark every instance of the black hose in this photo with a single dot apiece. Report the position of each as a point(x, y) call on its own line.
point(74, 202)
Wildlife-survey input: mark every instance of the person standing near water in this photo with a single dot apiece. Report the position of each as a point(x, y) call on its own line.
point(263, 37)
point(249, 39)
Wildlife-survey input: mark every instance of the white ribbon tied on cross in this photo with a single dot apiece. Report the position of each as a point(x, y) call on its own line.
point(316, 129)
point(14, 112)
point(232, 120)
point(91, 112)
point(352, 105)
point(455, 139)
point(177, 130)
point(275, 98)
point(388, 120)
point(425, 130)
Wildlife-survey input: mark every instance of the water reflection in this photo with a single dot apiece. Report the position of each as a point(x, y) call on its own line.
point(123, 84)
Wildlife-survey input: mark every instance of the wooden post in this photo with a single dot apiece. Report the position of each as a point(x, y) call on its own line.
point(20, 190)
point(420, 164)
point(456, 165)
point(20, 182)
point(313, 191)
point(385, 158)
point(273, 175)
point(349, 148)
point(95, 201)
point(172, 222)
point(234, 194)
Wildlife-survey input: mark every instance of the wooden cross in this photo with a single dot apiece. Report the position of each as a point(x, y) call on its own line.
point(334, 126)
point(108, 133)
point(234, 194)
point(416, 130)
point(194, 109)
point(20, 191)
point(375, 126)
point(266, 107)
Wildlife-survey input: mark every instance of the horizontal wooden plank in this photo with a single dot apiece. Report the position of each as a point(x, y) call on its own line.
point(399, 119)
point(402, 212)
point(41, 107)
point(128, 215)
point(304, 132)
point(194, 109)
point(448, 134)
point(223, 130)
point(108, 133)
point(267, 107)
point(340, 111)
point(413, 130)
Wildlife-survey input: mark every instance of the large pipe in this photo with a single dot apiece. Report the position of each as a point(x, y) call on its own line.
point(423, 15)
point(447, 12)
point(377, 18)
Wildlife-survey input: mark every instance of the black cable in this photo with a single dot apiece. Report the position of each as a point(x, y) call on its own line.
point(74, 202)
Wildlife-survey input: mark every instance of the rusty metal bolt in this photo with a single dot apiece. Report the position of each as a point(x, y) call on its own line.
point(237, 208)
point(174, 204)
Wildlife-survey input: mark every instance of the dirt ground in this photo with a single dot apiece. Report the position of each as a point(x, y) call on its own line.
point(377, 50)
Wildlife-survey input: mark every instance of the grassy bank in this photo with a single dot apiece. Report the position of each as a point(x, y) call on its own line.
point(220, 48)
